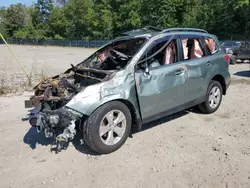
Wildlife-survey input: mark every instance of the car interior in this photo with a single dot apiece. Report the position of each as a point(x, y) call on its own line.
point(192, 49)
point(166, 56)
point(116, 55)
point(211, 45)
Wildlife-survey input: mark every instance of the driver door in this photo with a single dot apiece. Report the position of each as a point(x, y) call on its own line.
point(161, 89)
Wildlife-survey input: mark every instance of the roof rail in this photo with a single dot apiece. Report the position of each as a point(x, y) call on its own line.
point(146, 29)
point(184, 29)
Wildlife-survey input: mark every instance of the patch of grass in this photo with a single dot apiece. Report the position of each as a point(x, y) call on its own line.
point(4, 90)
point(35, 76)
point(2, 87)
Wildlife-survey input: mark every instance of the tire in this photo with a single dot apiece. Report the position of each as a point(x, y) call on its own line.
point(92, 129)
point(233, 60)
point(208, 108)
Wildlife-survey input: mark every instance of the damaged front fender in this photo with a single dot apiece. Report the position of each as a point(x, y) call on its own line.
point(121, 87)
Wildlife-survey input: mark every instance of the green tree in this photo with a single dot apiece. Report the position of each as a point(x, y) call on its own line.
point(15, 18)
point(80, 14)
point(2, 17)
point(42, 11)
point(163, 13)
point(29, 31)
point(58, 23)
point(61, 2)
point(101, 24)
point(103, 19)
point(125, 14)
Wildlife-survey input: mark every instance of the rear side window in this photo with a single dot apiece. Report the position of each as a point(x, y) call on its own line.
point(211, 45)
point(192, 48)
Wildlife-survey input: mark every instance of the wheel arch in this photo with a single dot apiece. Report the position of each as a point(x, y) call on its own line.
point(133, 108)
point(136, 118)
point(130, 107)
point(219, 78)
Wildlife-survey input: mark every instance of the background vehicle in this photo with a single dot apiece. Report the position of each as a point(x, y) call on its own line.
point(131, 81)
point(237, 50)
point(229, 46)
point(242, 52)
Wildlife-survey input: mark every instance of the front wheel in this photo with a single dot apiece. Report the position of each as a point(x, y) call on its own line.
point(108, 127)
point(213, 98)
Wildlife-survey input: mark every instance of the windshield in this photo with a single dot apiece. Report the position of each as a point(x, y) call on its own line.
point(114, 56)
point(230, 44)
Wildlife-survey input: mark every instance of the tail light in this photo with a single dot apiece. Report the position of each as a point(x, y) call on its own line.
point(227, 58)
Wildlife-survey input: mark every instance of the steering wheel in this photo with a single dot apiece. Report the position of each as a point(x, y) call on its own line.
point(118, 55)
point(113, 59)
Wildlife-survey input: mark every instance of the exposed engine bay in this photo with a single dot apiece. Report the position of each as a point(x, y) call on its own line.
point(50, 115)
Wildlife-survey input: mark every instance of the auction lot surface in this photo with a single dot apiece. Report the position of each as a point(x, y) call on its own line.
point(185, 150)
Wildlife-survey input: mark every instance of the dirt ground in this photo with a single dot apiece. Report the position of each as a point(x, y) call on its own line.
point(184, 150)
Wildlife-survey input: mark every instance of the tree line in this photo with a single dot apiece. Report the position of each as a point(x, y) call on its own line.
point(103, 19)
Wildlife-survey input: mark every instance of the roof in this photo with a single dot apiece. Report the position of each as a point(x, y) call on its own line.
point(155, 30)
point(150, 31)
point(141, 31)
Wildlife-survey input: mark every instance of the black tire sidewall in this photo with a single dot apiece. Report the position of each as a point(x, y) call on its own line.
point(233, 60)
point(207, 107)
point(93, 126)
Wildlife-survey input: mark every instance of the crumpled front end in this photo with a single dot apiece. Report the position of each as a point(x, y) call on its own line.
point(59, 124)
point(51, 116)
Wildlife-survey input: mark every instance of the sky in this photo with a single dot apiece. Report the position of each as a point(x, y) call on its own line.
point(7, 3)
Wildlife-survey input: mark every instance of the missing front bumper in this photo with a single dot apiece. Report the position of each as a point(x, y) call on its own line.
point(28, 104)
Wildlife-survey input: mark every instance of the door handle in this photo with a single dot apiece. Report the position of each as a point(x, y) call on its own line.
point(184, 67)
point(179, 72)
point(209, 64)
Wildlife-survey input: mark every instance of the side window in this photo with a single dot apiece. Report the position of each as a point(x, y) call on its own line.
point(159, 54)
point(211, 45)
point(192, 48)
point(243, 45)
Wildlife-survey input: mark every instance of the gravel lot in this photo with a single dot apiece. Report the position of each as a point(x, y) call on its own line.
point(185, 150)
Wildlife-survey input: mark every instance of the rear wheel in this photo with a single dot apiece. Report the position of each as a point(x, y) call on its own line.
point(213, 98)
point(233, 60)
point(108, 127)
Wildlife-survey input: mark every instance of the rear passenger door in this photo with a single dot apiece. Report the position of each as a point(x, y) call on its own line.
point(196, 64)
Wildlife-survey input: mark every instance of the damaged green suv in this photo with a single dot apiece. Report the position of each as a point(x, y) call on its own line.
point(132, 80)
